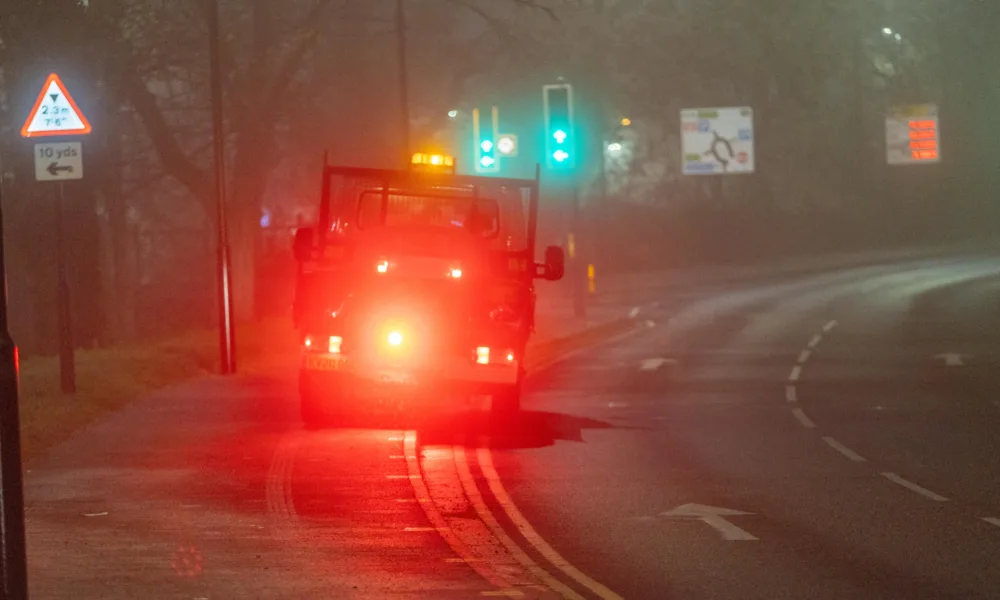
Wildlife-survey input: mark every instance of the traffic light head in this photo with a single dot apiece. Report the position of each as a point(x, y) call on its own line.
point(485, 134)
point(560, 141)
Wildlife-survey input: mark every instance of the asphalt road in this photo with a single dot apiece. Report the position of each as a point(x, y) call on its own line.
point(814, 436)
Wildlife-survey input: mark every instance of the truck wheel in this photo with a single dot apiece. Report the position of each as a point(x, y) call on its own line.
point(311, 409)
point(317, 406)
point(507, 400)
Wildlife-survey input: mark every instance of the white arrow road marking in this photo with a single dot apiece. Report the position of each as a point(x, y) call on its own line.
point(714, 517)
point(952, 359)
point(652, 364)
point(992, 521)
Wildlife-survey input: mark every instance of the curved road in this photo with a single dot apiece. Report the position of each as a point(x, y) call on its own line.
point(866, 462)
point(815, 436)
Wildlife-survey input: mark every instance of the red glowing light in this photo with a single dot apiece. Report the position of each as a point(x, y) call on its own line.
point(187, 561)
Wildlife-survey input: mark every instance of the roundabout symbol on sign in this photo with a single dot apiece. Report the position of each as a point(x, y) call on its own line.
point(722, 150)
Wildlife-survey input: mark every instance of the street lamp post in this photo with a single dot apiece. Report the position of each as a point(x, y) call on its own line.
point(860, 70)
point(227, 334)
point(404, 85)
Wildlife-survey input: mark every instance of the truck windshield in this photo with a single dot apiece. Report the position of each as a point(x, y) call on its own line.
point(478, 216)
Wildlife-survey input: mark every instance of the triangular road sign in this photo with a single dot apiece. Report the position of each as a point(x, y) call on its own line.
point(55, 113)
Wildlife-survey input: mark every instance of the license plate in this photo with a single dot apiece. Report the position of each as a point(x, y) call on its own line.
point(322, 363)
point(397, 377)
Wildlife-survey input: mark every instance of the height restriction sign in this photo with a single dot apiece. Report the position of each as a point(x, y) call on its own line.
point(55, 113)
point(911, 135)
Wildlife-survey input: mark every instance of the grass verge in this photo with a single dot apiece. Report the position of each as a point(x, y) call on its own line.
point(109, 378)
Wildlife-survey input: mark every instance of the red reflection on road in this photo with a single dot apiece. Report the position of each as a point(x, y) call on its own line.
point(187, 561)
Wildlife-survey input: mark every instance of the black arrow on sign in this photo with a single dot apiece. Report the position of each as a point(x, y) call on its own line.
point(55, 168)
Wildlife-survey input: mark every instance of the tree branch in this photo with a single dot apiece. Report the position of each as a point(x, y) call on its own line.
point(529, 4)
point(293, 60)
point(160, 133)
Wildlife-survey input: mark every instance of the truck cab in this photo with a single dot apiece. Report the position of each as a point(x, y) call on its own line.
point(417, 285)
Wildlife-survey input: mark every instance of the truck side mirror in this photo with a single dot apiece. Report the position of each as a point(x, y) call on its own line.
point(303, 244)
point(555, 263)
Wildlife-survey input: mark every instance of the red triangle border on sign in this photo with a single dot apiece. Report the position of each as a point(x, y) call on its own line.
point(53, 77)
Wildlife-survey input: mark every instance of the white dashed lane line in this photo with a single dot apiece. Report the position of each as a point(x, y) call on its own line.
point(914, 487)
point(791, 394)
point(801, 416)
point(851, 454)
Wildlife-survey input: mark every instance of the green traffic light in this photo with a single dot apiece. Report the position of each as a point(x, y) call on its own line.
point(487, 161)
point(560, 135)
point(487, 145)
point(560, 155)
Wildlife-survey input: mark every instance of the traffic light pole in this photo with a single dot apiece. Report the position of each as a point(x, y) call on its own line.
point(12, 535)
point(579, 272)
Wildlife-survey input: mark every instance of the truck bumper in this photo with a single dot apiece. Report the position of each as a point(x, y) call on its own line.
point(332, 375)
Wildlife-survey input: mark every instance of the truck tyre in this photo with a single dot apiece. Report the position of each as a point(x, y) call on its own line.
point(317, 407)
point(506, 400)
point(310, 408)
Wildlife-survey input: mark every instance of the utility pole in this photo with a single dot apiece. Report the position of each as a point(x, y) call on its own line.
point(404, 84)
point(12, 536)
point(227, 334)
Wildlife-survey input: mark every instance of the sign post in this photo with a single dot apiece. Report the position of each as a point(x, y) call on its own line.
point(56, 114)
